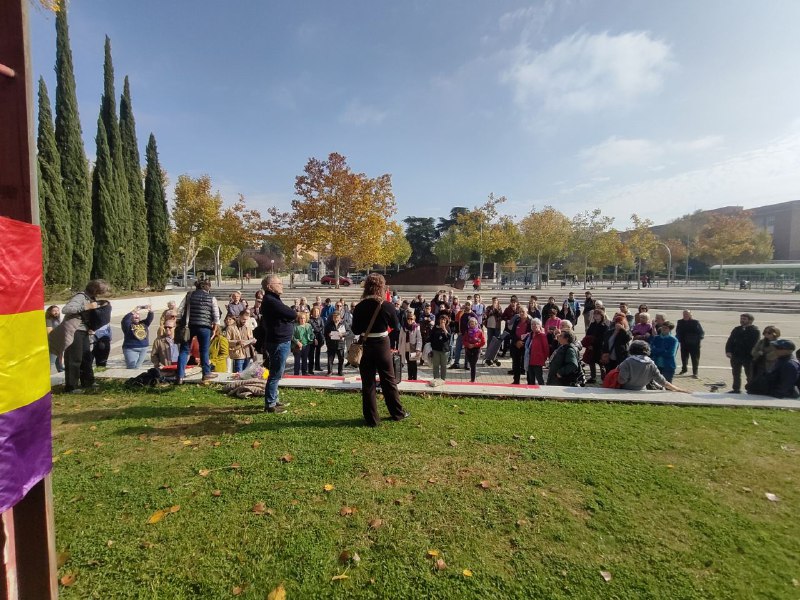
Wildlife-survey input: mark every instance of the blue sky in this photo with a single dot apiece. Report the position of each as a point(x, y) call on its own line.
point(658, 108)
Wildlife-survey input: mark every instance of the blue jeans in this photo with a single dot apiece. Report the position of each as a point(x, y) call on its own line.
point(278, 353)
point(57, 361)
point(240, 364)
point(203, 335)
point(134, 357)
point(459, 346)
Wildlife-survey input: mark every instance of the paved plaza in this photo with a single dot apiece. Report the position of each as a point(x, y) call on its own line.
point(495, 380)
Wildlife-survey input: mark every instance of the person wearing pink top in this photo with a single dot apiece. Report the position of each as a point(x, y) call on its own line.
point(473, 341)
point(539, 352)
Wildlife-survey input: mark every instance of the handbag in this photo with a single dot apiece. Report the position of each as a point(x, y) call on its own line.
point(182, 334)
point(356, 349)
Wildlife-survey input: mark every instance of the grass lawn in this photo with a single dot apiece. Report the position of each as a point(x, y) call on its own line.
point(535, 499)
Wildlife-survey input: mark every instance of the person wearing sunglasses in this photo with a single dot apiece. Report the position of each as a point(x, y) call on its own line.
point(164, 352)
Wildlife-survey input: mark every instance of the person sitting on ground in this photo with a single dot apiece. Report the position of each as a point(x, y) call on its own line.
point(135, 332)
point(565, 363)
point(164, 352)
point(171, 314)
point(335, 333)
point(782, 380)
point(763, 352)
point(643, 330)
point(662, 350)
point(638, 370)
point(473, 342)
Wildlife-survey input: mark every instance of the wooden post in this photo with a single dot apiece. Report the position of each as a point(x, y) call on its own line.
point(27, 533)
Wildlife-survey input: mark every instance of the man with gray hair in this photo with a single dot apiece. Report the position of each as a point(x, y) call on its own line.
point(739, 348)
point(277, 319)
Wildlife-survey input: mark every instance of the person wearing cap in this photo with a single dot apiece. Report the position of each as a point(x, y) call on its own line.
point(638, 370)
point(739, 348)
point(781, 381)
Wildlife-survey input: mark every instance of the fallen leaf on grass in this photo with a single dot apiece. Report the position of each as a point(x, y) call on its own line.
point(204, 472)
point(517, 436)
point(98, 444)
point(432, 553)
point(216, 493)
point(187, 442)
point(287, 458)
point(376, 523)
point(795, 583)
point(156, 517)
point(340, 577)
point(453, 443)
point(606, 575)
point(109, 543)
point(670, 466)
point(747, 490)
point(312, 403)
point(440, 564)
point(485, 485)
point(68, 579)
point(431, 480)
point(256, 444)
point(217, 444)
point(279, 593)
point(346, 511)
point(236, 466)
point(772, 497)
point(93, 428)
point(174, 509)
point(68, 452)
point(466, 573)
point(755, 422)
point(328, 487)
point(345, 556)
point(237, 590)
point(391, 481)
point(356, 559)
point(259, 508)
point(522, 522)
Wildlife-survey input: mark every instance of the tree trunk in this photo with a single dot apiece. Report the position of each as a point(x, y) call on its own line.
point(217, 266)
point(585, 271)
point(337, 272)
point(239, 262)
point(539, 271)
point(638, 273)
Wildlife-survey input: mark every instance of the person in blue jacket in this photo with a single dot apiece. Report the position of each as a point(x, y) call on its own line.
point(136, 340)
point(663, 348)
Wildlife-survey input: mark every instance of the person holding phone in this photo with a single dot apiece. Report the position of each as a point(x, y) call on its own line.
point(135, 331)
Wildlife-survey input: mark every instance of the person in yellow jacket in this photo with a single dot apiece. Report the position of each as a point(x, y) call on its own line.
point(218, 351)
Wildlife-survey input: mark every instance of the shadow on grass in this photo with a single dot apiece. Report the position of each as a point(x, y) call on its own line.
point(215, 426)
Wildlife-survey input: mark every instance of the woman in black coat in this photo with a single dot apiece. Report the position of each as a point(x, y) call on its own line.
point(615, 343)
point(377, 356)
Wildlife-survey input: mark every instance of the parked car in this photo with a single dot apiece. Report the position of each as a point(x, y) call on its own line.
point(331, 280)
point(178, 280)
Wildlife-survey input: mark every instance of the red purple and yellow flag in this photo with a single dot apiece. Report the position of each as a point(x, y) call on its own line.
point(25, 442)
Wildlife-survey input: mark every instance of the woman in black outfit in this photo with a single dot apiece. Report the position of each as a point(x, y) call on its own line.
point(615, 343)
point(377, 355)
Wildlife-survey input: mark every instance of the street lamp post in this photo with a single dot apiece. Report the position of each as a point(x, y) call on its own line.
point(669, 264)
point(272, 265)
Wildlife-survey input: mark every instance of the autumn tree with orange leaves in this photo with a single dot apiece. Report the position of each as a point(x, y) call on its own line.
point(337, 212)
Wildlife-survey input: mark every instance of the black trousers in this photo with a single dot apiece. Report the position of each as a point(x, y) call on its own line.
point(517, 358)
point(535, 375)
point(694, 352)
point(101, 350)
point(471, 357)
point(78, 363)
point(412, 367)
point(315, 364)
point(736, 368)
point(377, 358)
point(337, 353)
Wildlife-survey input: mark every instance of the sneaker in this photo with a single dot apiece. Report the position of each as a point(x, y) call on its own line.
point(77, 391)
point(734, 392)
point(694, 376)
point(466, 367)
point(454, 366)
point(277, 409)
point(210, 376)
point(406, 415)
point(683, 371)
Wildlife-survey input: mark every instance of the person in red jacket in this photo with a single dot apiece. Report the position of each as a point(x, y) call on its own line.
point(539, 351)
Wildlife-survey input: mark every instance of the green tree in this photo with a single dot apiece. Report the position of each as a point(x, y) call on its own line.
point(54, 218)
point(133, 175)
point(74, 170)
point(421, 235)
point(240, 229)
point(158, 264)
point(118, 184)
point(544, 233)
point(108, 241)
point(484, 232)
point(395, 249)
point(447, 249)
point(195, 214)
point(445, 224)
point(590, 241)
point(642, 243)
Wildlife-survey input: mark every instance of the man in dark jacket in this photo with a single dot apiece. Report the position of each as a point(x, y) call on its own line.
point(739, 349)
point(203, 315)
point(277, 319)
point(782, 380)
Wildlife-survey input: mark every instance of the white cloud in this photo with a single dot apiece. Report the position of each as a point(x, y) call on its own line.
point(586, 73)
point(531, 18)
point(764, 175)
point(623, 152)
point(357, 113)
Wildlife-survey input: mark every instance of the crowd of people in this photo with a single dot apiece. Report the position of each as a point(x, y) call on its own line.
point(638, 349)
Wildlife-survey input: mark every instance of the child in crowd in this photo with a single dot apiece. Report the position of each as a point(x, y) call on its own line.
point(473, 341)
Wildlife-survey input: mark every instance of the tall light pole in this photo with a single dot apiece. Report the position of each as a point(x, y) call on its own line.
point(669, 265)
point(184, 265)
point(272, 265)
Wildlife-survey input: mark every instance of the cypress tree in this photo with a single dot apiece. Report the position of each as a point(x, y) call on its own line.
point(54, 217)
point(107, 244)
point(157, 219)
point(133, 172)
point(74, 171)
point(118, 185)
